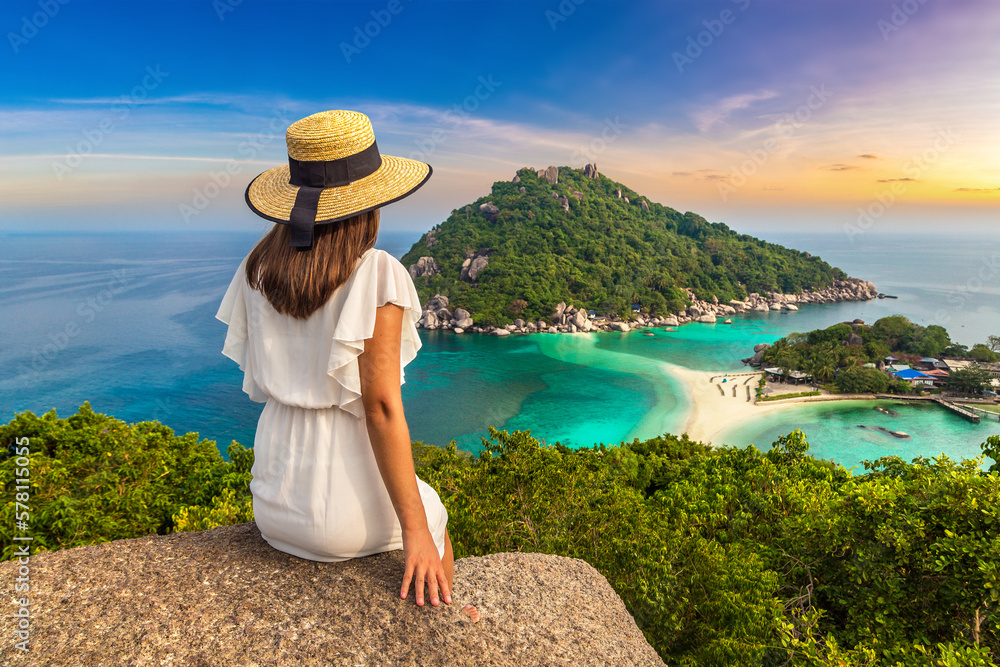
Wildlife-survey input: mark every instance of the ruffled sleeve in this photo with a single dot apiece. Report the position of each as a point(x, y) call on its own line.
point(233, 311)
point(379, 279)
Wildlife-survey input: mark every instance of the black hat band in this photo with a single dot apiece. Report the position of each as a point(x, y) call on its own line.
point(313, 176)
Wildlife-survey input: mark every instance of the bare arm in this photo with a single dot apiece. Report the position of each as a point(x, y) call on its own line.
point(390, 438)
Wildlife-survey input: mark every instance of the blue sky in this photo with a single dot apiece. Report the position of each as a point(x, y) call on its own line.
point(806, 114)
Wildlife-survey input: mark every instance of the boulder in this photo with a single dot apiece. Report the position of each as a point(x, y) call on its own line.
point(489, 211)
point(461, 314)
point(519, 323)
point(553, 330)
point(791, 306)
point(620, 326)
point(728, 321)
point(124, 602)
point(590, 170)
point(551, 174)
point(516, 179)
point(618, 194)
point(430, 319)
point(626, 199)
point(578, 195)
point(436, 303)
point(580, 318)
point(458, 330)
point(425, 266)
point(522, 190)
point(854, 339)
point(670, 321)
point(464, 323)
point(499, 332)
point(564, 202)
point(761, 308)
point(760, 347)
point(645, 206)
point(707, 319)
point(443, 314)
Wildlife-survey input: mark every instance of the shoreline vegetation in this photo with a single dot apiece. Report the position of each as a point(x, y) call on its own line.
point(829, 567)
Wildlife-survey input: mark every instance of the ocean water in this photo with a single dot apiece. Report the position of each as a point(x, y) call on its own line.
point(126, 321)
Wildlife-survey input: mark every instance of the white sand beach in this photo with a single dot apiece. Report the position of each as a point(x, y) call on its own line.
point(712, 412)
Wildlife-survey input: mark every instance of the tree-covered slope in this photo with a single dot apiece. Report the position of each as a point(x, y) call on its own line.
point(605, 253)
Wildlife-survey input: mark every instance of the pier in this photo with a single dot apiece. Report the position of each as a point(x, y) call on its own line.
point(964, 413)
point(984, 413)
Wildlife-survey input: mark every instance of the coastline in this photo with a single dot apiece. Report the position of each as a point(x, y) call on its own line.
point(712, 414)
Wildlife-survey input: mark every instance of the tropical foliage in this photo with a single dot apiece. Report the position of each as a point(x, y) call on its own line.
point(604, 253)
point(840, 352)
point(724, 556)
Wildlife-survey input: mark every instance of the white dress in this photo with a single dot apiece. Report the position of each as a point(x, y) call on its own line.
point(317, 491)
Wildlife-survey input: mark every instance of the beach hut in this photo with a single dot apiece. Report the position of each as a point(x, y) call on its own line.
point(916, 377)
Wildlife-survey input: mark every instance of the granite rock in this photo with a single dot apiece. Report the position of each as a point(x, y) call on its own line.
point(226, 597)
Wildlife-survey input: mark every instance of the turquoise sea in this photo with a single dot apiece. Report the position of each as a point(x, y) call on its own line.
point(126, 321)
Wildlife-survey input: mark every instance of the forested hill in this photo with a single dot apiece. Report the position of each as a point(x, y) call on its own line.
point(597, 244)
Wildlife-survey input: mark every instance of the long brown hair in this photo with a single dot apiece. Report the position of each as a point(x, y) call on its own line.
point(298, 282)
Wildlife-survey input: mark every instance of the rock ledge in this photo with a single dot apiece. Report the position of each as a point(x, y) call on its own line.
point(225, 597)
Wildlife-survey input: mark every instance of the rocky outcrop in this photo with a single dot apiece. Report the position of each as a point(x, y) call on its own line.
point(645, 206)
point(431, 238)
point(522, 190)
point(564, 202)
point(758, 356)
point(489, 211)
point(226, 597)
point(472, 266)
point(516, 179)
point(550, 174)
point(618, 194)
point(425, 266)
point(590, 170)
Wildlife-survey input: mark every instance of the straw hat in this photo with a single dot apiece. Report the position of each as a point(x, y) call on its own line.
point(334, 171)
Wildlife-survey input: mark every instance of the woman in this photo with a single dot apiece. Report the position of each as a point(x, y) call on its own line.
point(322, 324)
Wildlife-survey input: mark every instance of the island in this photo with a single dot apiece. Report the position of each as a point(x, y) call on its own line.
point(566, 250)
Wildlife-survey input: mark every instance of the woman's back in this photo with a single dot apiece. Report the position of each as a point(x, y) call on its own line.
point(317, 490)
point(312, 363)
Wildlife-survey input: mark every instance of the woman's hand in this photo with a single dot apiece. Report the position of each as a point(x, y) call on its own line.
point(423, 564)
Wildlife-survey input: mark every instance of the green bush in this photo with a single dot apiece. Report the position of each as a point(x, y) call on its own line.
point(724, 556)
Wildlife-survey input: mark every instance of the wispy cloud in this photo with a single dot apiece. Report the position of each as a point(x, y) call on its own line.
point(839, 167)
point(869, 156)
point(977, 190)
point(896, 180)
point(705, 119)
